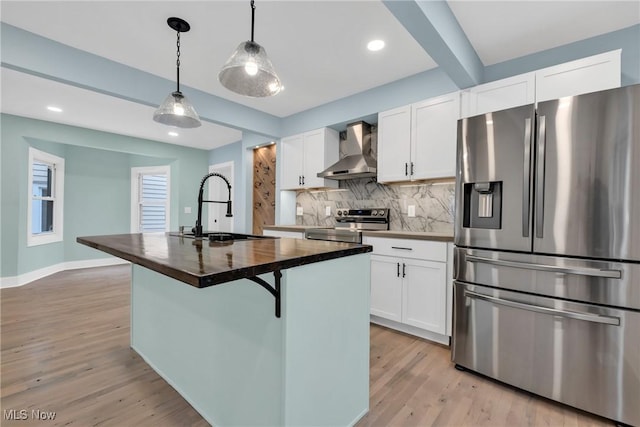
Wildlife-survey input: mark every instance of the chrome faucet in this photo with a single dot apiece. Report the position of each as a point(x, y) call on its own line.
point(197, 231)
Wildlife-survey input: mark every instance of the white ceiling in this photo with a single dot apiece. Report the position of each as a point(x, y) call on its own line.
point(84, 108)
point(317, 47)
point(503, 30)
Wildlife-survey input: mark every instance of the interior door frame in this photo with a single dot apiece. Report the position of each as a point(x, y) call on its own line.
point(220, 209)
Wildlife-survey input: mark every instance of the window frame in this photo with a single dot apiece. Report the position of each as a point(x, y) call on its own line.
point(136, 172)
point(57, 188)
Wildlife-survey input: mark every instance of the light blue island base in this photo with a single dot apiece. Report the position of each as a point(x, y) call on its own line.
point(224, 350)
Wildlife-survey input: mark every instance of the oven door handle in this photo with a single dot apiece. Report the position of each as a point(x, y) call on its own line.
point(595, 318)
point(581, 271)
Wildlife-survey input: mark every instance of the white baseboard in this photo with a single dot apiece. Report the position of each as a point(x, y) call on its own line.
point(23, 279)
point(411, 330)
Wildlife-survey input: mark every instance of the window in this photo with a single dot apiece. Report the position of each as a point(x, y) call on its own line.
point(45, 206)
point(150, 199)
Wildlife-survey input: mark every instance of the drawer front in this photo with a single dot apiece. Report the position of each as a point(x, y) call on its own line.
point(408, 248)
point(583, 355)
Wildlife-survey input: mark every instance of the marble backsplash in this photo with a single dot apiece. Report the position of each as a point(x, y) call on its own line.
point(433, 201)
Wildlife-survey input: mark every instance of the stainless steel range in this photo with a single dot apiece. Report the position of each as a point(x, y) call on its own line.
point(350, 223)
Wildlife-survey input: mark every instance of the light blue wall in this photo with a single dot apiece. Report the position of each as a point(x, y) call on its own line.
point(97, 187)
point(96, 201)
point(367, 104)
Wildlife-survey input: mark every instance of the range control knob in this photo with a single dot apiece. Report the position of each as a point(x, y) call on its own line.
point(339, 213)
point(381, 213)
point(374, 213)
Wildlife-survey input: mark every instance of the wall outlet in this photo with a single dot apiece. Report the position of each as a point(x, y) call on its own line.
point(187, 209)
point(411, 211)
point(327, 211)
point(299, 210)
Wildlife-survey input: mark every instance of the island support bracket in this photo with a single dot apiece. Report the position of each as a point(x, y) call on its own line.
point(273, 291)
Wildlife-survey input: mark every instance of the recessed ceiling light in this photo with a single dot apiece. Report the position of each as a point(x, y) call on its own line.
point(54, 109)
point(173, 133)
point(375, 45)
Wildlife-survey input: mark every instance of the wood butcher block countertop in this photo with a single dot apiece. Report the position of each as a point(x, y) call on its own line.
point(201, 263)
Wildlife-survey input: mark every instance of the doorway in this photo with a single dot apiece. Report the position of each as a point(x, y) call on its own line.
point(218, 191)
point(264, 187)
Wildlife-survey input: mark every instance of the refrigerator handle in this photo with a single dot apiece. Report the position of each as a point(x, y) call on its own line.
point(542, 136)
point(526, 184)
point(581, 271)
point(588, 317)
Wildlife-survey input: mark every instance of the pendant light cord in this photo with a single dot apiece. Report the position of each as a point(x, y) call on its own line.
point(253, 17)
point(178, 62)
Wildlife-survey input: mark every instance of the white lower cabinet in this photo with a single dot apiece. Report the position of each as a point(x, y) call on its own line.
point(386, 288)
point(283, 233)
point(423, 295)
point(410, 292)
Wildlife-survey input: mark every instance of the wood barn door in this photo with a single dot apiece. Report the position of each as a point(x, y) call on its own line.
point(264, 187)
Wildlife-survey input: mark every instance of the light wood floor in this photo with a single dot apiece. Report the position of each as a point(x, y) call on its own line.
point(65, 348)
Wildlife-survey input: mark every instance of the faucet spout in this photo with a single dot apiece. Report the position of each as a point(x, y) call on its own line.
point(198, 228)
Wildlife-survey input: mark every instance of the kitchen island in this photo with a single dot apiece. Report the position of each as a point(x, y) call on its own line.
point(252, 332)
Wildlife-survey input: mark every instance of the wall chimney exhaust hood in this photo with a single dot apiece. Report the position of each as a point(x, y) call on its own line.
point(356, 160)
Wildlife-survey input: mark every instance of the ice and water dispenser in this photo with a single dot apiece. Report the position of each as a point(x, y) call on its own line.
point(482, 205)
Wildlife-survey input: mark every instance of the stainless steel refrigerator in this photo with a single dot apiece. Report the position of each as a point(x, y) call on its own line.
point(547, 258)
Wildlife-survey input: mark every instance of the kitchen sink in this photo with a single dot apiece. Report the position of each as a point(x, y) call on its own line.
point(220, 236)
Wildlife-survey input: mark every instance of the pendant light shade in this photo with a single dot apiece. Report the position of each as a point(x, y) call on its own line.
point(176, 110)
point(249, 71)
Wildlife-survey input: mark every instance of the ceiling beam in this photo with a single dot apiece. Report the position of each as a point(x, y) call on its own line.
point(436, 29)
point(36, 55)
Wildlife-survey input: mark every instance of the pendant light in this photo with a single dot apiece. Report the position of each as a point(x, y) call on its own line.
point(249, 71)
point(176, 110)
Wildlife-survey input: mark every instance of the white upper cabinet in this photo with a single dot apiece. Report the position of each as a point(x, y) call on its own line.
point(433, 137)
point(394, 144)
point(307, 154)
point(499, 95)
point(591, 74)
point(418, 141)
point(292, 161)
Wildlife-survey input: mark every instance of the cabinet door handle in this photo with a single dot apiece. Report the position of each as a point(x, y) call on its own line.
point(404, 267)
point(302, 179)
point(299, 180)
point(398, 271)
point(411, 168)
point(406, 169)
point(402, 248)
